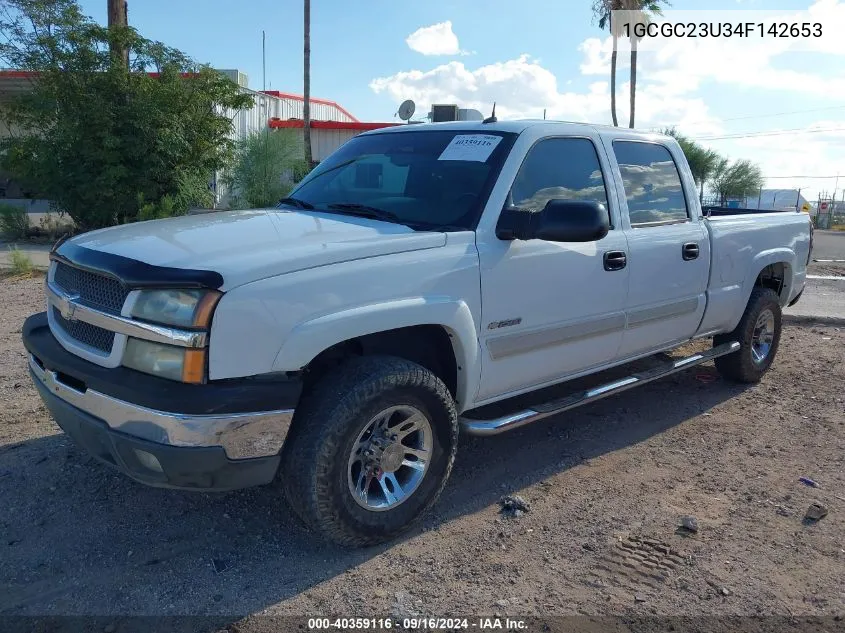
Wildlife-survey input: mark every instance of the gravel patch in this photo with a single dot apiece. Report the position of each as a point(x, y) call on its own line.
point(608, 485)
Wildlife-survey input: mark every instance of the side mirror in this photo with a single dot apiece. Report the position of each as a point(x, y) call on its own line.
point(559, 221)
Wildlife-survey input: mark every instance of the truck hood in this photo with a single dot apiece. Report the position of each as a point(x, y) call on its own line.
point(245, 246)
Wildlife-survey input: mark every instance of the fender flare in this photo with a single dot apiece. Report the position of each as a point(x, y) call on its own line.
point(309, 338)
point(781, 255)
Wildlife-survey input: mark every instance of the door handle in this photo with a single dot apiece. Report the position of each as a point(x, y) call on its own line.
point(615, 260)
point(689, 251)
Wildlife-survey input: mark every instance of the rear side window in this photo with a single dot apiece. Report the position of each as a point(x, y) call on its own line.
point(652, 183)
point(559, 169)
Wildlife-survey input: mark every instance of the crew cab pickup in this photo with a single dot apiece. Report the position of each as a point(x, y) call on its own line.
point(338, 344)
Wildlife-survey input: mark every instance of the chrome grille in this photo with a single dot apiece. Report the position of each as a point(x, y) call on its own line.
point(85, 333)
point(96, 291)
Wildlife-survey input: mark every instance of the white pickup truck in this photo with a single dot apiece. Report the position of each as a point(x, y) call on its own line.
point(337, 344)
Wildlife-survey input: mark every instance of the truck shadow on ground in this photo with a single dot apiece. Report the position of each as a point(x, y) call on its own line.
point(79, 538)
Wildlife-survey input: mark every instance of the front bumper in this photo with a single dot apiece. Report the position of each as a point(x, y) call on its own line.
point(198, 442)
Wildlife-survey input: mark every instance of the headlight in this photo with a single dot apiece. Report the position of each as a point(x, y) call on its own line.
point(179, 308)
point(165, 361)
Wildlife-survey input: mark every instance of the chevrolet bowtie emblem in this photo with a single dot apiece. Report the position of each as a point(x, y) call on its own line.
point(68, 308)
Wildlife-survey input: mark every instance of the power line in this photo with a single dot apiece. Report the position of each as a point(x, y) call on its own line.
point(815, 177)
point(794, 130)
point(763, 116)
point(770, 133)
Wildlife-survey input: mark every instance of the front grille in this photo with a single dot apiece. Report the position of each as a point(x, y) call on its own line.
point(96, 291)
point(85, 333)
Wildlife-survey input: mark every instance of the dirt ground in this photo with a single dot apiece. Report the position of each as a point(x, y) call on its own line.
point(607, 486)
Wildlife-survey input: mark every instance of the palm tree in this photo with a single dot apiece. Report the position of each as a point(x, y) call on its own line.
point(602, 10)
point(306, 90)
point(645, 9)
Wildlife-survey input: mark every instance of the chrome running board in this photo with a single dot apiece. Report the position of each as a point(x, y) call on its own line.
point(538, 412)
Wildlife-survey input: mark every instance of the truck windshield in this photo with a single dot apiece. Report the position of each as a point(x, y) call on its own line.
point(428, 179)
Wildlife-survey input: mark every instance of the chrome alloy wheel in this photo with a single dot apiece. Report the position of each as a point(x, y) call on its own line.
point(763, 336)
point(390, 458)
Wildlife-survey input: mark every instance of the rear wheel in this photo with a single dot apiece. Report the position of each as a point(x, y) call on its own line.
point(758, 335)
point(371, 450)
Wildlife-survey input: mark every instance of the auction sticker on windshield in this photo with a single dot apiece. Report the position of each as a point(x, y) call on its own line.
point(472, 147)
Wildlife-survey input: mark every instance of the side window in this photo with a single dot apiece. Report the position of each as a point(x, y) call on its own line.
point(559, 169)
point(652, 183)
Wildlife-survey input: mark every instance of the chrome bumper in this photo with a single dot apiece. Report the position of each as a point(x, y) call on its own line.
point(241, 435)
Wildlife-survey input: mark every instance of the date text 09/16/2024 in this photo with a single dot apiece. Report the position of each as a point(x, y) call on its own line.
point(417, 624)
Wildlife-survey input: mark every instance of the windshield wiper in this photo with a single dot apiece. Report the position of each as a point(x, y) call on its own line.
point(296, 202)
point(365, 211)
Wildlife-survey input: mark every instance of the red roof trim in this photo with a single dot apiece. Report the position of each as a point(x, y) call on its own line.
point(26, 74)
point(288, 95)
point(18, 74)
point(330, 125)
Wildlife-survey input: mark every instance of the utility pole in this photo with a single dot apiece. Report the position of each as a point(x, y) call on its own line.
point(306, 91)
point(118, 11)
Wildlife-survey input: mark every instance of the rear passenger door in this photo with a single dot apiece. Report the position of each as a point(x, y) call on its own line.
point(668, 247)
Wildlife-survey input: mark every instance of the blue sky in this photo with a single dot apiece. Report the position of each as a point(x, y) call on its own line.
point(528, 56)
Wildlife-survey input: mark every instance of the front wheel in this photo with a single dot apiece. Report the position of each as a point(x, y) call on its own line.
point(758, 335)
point(371, 450)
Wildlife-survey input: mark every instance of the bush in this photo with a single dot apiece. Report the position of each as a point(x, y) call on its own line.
point(52, 227)
point(14, 222)
point(98, 136)
point(21, 264)
point(192, 192)
point(267, 165)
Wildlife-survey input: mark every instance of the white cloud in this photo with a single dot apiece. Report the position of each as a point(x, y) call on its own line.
point(675, 84)
point(796, 155)
point(523, 88)
point(437, 39)
point(596, 56)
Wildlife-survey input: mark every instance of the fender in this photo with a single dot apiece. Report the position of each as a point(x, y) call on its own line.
point(309, 338)
point(782, 255)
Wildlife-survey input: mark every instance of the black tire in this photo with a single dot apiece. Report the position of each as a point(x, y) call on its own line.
point(315, 460)
point(742, 366)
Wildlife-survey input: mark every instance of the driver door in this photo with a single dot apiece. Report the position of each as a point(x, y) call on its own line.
point(552, 309)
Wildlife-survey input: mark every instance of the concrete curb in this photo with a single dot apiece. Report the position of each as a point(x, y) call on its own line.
point(804, 319)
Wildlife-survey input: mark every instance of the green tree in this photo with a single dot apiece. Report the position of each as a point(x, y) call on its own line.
point(739, 179)
point(109, 146)
point(266, 166)
point(702, 160)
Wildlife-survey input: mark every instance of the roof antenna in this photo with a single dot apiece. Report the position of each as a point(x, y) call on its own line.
point(492, 118)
